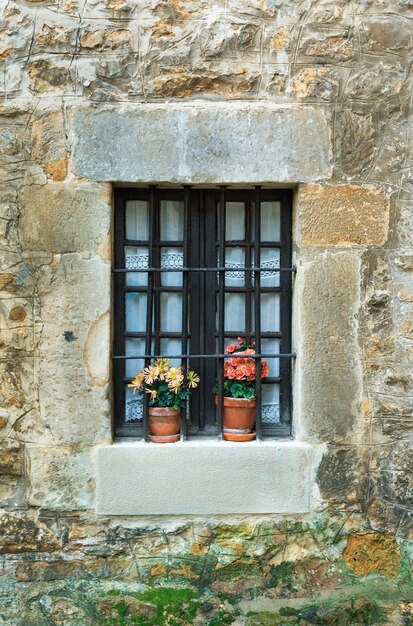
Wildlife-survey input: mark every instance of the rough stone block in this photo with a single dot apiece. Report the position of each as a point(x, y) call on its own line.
point(373, 552)
point(74, 349)
point(49, 144)
point(328, 372)
point(19, 533)
point(142, 479)
point(60, 477)
point(64, 217)
point(16, 379)
point(16, 323)
point(343, 215)
point(45, 76)
point(212, 143)
point(10, 462)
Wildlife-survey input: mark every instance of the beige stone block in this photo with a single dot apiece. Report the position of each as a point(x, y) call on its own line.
point(49, 144)
point(74, 348)
point(64, 217)
point(203, 143)
point(343, 215)
point(60, 477)
point(137, 478)
point(328, 378)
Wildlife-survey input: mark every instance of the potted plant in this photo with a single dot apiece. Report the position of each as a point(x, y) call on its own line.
point(239, 392)
point(168, 389)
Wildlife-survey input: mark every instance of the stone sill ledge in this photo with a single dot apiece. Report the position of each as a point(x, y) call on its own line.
point(204, 477)
point(202, 442)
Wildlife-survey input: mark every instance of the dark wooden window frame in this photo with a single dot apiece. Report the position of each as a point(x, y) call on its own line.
point(202, 244)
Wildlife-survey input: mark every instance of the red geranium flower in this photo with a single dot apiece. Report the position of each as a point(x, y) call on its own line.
point(231, 348)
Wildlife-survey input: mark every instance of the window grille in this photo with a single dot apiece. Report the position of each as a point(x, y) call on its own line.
point(194, 270)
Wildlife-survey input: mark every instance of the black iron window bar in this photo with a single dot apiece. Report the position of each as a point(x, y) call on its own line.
point(154, 288)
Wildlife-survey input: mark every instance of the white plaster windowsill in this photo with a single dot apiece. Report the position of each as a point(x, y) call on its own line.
point(203, 477)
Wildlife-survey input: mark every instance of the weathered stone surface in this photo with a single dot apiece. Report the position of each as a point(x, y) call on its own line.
point(10, 461)
point(75, 293)
point(49, 145)
point(45, 76)
point(132, 605)
point(316, 84)
point(386, 34)
point(95, 353)
point(392, 481)
point(328, 375)
point(341, 475)
point(343, 215)
point(356, 141)
point(24, 534)
point(106, 39)
point(373, 552)
point(64, 217)
point(16, 319)
point(334, 48)
point(60, 477)
point(193, 144)
point(383, 80)
point(12, 386)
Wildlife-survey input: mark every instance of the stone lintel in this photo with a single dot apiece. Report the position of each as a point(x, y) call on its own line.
point(208, 144)
point(202, 477)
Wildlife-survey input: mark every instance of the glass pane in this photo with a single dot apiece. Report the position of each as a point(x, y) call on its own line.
point(235, 221)
point(172, 220)
point(133, 405)
point(270, 404)
point(135, 312)
point(235, 257)
point(234, 313)
point(270, 312)
point(172, 346)
point(136, 258)
point(132, 347)
point(270, 221)
point(137, 219)
point(270, 258)
point(171, 258)
point(272, 346)
point(171, 312)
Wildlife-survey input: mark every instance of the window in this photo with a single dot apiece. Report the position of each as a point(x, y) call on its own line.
point(186, 283)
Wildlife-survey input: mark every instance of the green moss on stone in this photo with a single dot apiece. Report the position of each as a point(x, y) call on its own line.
point(359, 612)
point(223, 618)
point(282, 576)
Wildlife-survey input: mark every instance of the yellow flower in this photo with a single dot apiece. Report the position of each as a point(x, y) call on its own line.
point(137, 381)
point(152, 392)
point(175, 373)
point(193, 379)
point(162, 366)
point(151, 374)
point(175, 385)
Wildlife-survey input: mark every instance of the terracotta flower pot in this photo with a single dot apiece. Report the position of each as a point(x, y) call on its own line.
point(164, 422)
point(238, 418)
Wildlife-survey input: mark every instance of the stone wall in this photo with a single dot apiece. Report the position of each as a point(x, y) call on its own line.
point(328, 85)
